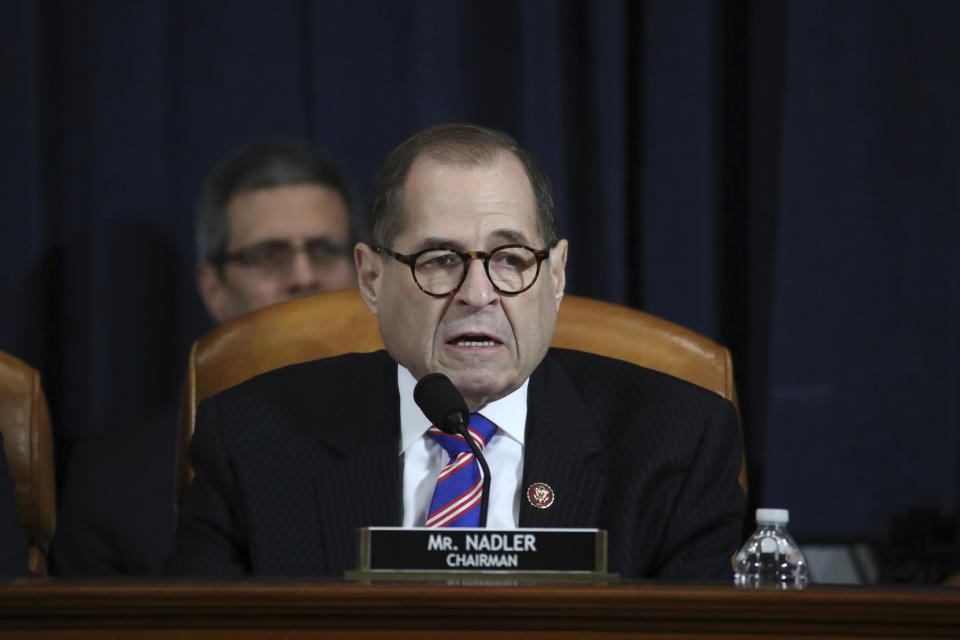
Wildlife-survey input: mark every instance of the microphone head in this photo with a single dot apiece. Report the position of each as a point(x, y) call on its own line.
point(440, 401)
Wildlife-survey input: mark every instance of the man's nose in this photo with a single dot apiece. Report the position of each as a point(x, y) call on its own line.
point(476, 290)
point(302, 275)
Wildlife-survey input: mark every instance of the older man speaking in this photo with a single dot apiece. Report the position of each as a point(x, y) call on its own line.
point(465, 276)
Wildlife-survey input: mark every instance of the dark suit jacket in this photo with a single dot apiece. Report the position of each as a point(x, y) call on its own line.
point(290, 463)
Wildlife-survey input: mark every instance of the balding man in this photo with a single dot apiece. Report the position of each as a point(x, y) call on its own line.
point(465, 276)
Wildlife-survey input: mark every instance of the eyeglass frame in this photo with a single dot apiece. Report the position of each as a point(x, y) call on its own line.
point(242, 256)
point(410, 259)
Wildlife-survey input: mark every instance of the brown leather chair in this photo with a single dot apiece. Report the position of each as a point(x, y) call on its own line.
point(28, 445)
point(334, 323)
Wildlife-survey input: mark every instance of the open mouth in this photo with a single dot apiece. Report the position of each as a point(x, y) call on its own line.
point(471, 340)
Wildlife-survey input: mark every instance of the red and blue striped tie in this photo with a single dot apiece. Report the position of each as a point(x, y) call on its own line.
point(456, 500)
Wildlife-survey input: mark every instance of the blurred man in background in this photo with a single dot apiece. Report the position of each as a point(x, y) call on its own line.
point(273, 223)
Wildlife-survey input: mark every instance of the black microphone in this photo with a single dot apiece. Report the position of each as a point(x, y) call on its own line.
point(447, 410)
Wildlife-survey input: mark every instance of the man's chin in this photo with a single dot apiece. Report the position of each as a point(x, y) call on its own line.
point(480, 390)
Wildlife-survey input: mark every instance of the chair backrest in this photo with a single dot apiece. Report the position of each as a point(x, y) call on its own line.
point(331, 324)
point(28, 445)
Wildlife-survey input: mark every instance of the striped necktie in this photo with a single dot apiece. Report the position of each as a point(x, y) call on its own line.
point(456, 499)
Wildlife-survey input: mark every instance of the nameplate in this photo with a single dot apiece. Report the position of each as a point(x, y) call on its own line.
point(456, 549)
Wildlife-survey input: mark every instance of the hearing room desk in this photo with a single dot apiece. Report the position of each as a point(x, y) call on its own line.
point(293, 610)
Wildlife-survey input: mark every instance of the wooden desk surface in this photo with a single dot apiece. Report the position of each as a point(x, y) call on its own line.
point(264, 609)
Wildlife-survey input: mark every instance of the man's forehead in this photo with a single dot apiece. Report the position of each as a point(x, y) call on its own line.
point(450, 163)
point(502, 202)
point(288, 212)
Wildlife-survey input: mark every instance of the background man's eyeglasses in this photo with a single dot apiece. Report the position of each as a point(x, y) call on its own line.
point(511, 268)
point(277, 256)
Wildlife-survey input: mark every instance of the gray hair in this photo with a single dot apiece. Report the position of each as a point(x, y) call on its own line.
point(462, 144)
point(271, 162)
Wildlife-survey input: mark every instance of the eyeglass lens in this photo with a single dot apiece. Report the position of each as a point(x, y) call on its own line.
point(279, 254)
point(511, 269)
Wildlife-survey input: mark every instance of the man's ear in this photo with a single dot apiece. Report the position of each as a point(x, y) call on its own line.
point(211, 291)
point(558, 269)
point(369, 274)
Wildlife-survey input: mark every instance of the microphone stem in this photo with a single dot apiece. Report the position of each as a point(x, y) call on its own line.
point(485, 492)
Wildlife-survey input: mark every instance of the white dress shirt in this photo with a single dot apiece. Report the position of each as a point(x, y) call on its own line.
point(421, 458)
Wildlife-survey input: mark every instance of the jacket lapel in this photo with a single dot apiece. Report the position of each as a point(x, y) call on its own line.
point(562, 449)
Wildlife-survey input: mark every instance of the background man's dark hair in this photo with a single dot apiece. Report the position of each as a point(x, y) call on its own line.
point(270, 162)
point(460, 144)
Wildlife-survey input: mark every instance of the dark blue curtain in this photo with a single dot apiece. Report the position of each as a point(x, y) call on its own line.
point(781, 176)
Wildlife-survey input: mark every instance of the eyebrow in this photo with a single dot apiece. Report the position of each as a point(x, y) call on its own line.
point(512, 236)
point(330, 239)
point(508, 236)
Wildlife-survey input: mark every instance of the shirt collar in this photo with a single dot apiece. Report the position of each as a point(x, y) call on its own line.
point(508, 413)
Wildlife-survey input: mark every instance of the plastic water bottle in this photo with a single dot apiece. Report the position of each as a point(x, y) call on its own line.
point(770, 557)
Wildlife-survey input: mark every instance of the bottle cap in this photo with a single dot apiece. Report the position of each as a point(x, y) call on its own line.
point(773, 516)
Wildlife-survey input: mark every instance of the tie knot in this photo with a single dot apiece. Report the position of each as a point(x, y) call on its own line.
point(479, 428)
